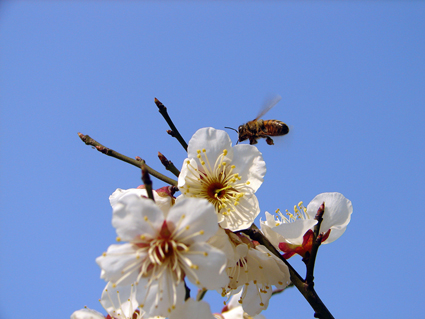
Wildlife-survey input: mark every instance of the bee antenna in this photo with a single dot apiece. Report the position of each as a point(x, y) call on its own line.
point(231, 128)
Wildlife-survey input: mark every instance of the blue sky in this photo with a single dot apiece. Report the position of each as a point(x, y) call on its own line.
point(352, 80)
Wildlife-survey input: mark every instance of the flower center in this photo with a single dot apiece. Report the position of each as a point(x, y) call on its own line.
point(162, 250)
point(216, 183)
point(215, 190)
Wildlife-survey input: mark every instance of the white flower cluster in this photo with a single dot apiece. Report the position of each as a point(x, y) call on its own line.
point(196, 237)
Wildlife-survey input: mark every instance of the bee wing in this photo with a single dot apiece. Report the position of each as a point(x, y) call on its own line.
point(268, 106)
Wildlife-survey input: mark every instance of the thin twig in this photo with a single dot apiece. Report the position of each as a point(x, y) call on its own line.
point(138, 163)
point(147, 182)
point(169, 166)
point(164, 113)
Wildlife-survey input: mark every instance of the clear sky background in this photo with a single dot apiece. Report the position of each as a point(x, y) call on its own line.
point(352, 80)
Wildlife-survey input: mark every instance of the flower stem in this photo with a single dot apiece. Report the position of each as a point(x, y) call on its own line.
point(164, 113)
point(138, 163)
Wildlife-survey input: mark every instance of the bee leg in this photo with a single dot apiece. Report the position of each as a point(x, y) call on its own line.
point(252, 141)
point(269, 140)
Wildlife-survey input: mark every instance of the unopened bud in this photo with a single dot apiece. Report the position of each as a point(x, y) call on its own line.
point(159, 105)
point(320, 212)
point(163, 159)
point(166, 191)
point(82, 136)
point(170, 132)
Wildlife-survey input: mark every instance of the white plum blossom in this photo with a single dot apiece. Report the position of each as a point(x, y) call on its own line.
point(252, 267)
point(226, 176)
point(87, 313)
point(291, 233)
point(162, 250)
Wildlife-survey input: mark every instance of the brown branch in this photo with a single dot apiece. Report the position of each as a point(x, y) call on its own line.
point(175, 132)
point(138, 163)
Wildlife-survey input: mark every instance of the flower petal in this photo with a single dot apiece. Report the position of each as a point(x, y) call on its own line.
point(335, 233)
point(221, 241)
point(274, 271)
point(288, 232)
point(270, 221)
point(193, 215)
point(214, 141)
point(117, 258)
point(270, 234)
point(87, 313)
point(209, 265)
point(250, 165)
point(186, 173)
point(119, 302)
point(233, 313)
point(337, 215)
point(243, 214)
point(163, 202)
point(254, 301)
point(129, 214)
point(192, 309)
point(156, 298)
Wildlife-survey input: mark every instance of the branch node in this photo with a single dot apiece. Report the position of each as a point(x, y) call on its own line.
point(103, 149)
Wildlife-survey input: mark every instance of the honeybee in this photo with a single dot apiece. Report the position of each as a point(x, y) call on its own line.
point(258, 128)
